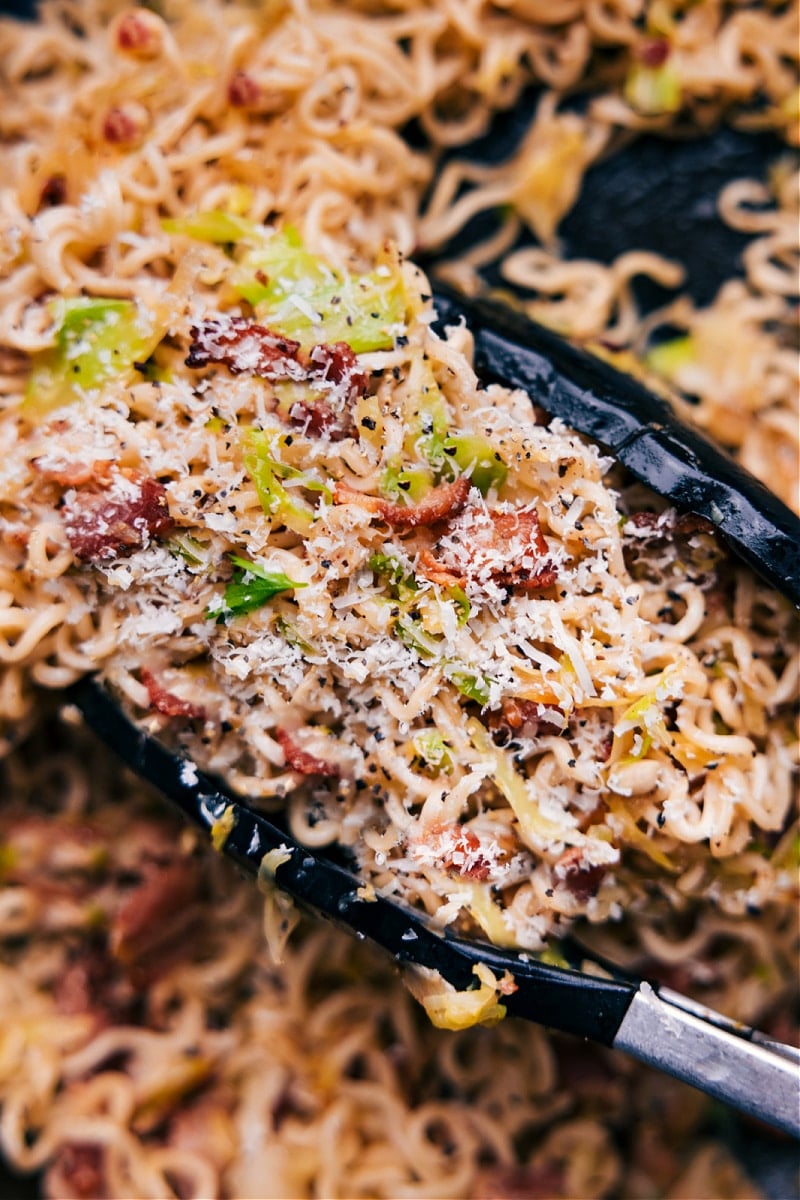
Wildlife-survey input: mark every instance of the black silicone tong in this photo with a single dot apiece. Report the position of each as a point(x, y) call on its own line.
point(734, 1063)
point(641, 431)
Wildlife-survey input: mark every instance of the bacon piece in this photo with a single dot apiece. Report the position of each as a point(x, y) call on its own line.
point(544, 1182)
point(653, 52)
point(335, 362)
point(582, 879)
point(321, 419)
point(301, 761)
point(153, 922)
point(506, 547)
point(77, 1172)
point(124, 126)
point(668, 523)
point(72, 473)
point(333, 367)
point(140, 33)
point(245, 348)
point(92, 983)
point(441, 502)
point(166, 702)
point(525, 718)
point(464, 853)
point(330, 367)
point(243, 90)
point(117, 519)
point(522, 525)
point(431, 569)
point(78, 985)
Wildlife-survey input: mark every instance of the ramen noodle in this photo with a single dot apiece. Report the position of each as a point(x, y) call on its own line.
point(245, 480)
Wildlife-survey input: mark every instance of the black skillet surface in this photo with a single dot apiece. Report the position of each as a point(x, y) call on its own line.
point(656, 195)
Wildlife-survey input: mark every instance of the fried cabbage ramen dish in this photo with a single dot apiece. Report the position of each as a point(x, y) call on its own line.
point(248, 482)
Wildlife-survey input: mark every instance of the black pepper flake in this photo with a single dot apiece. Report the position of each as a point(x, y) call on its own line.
point(401, 340)
point(661, 820)
point(572, 763)
point(326, 563)
point(368, 422)
point(288, 439)
point(379, 737)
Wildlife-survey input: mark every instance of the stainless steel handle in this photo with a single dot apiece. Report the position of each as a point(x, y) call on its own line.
point(747, 1074)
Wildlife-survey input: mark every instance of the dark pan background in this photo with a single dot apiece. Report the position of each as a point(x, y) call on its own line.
point(655, 195)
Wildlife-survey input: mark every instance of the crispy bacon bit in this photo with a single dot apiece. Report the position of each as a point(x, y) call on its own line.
point(77, 986)
point(504, 547)
point(442, 502)
point(653, 52)
point(321, 419)
point(668, 523)
point(243, 91)
point(335, 363)
point(156, 916)
point(166, 702)
point(54, 191)
point(301, 761)
point(69, 472)
point(582, 879)
point(431, 569)
point(245, 348)
point(522, 525)
point(527, 718)
point(123, 126)
point(544, 1182)
point(120, 517)
point(331, 368)
point(460, 851)
point(140, 33)
point(93, 983)
point(78, 1172)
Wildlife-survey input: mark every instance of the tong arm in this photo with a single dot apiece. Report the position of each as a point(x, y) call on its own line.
point(737, 1068)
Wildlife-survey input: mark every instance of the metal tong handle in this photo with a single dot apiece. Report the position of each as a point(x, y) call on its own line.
point(749, 1074)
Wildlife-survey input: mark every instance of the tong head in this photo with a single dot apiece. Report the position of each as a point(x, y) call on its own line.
point(639, 428)
point(729, 1061)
